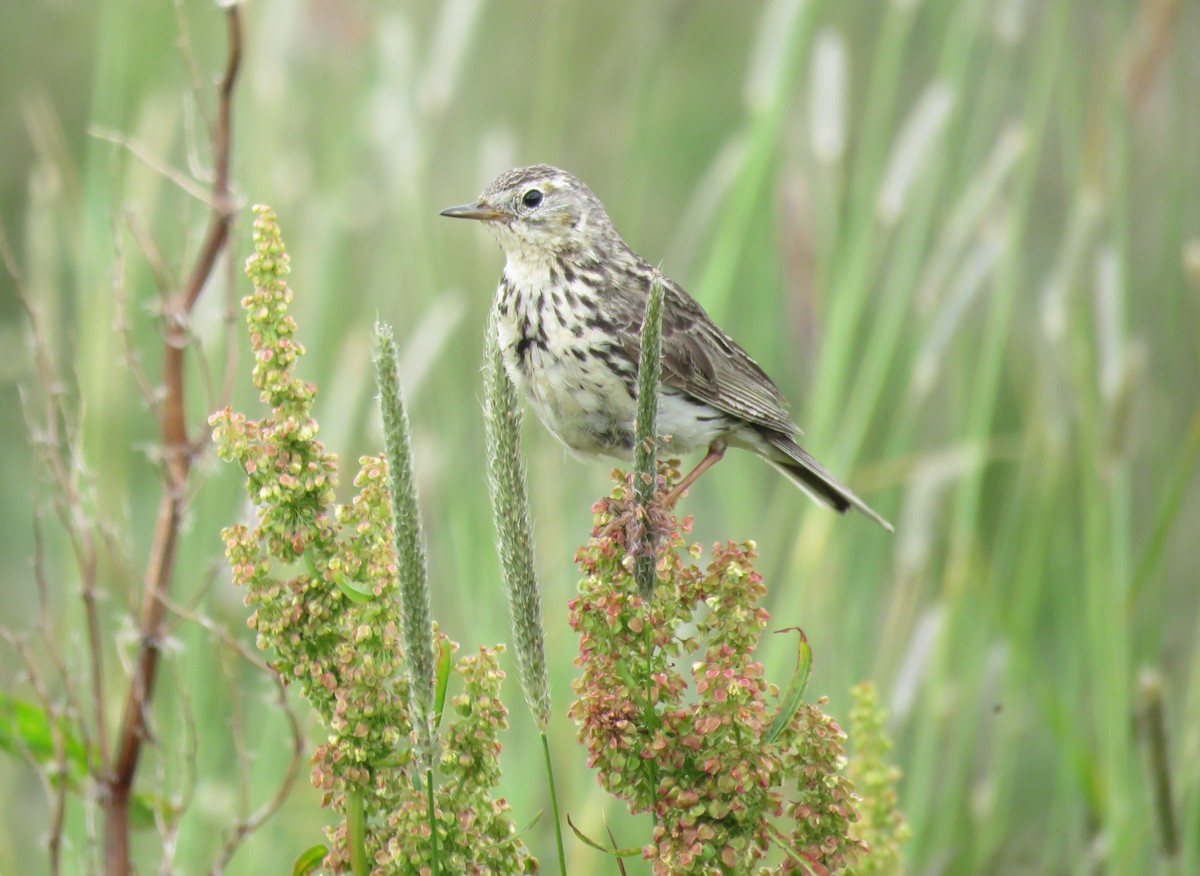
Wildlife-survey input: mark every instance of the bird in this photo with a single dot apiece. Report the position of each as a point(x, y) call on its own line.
point(568, 313)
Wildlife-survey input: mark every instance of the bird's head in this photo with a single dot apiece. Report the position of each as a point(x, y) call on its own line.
point(539, 212)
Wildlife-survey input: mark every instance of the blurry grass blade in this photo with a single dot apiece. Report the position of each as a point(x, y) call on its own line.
point(309, 860)
point(499, 148)
point(429, 340)
point(968, 213)
point(1009, 19)
point(1053, 305)
point(452, 39)
point(1172, 500)
point(705, 202)
point(827, 97)
point(394, 125)
point(1109, 340)
point(978, 264)
point(769, 53)
point(1119, 412)
point(789, 704)
point(1191, 261)
point(915, 661)
point(742, 209)
point(915, 144)
point(928, 486)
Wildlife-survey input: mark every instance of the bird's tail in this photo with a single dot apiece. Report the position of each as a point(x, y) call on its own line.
point(809, 475)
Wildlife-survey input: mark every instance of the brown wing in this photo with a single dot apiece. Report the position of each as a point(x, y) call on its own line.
point(700, 359)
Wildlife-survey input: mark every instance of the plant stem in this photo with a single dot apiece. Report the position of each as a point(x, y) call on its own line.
point(646, 437)
point(434, 860)
point(562, 857)
point(356, 833)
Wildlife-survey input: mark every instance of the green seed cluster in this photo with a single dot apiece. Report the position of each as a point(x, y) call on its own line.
point(882, 825)
point(322, 583)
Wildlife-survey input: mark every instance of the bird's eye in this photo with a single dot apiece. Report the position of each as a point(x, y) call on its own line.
point(531, 198)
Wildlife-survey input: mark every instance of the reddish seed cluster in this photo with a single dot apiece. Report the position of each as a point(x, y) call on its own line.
point(724, 798)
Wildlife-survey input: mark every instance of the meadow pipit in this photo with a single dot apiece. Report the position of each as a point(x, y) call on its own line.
point(569, 313)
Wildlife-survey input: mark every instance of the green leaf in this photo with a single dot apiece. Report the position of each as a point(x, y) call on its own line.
point(310, 859)
point(146, 810)
point(441, 679)
point(613, 850)
point(790, 703)
point(353, 590)
point(26, 729)
point(515, 837)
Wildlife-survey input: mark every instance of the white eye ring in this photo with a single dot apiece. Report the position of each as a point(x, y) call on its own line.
point(532, 198)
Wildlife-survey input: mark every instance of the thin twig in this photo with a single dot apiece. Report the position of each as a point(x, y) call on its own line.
point(247, 824)
point(150, 252)
point(189, 61)
point(56, 791)
point(251, 823)
point(68, 503)
point(142, 154)
point(121, 302)
point(50, 640)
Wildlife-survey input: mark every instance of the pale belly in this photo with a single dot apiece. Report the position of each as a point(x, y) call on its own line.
point(589, 408)
point(582, 403)
point(586, 402)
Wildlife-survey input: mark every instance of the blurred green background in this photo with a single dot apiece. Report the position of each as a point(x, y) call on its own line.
point(964, 237)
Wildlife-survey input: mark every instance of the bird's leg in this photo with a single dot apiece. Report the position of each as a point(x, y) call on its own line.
point(716, 450)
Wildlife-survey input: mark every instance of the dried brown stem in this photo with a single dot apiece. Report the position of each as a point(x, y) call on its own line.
point(178, 456)
point(1149, 46)
point(1152, 715)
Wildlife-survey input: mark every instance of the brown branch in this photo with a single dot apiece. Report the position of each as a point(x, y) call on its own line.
point(178, 457)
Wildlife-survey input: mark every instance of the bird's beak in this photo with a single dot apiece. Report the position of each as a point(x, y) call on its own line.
point(478, 210)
